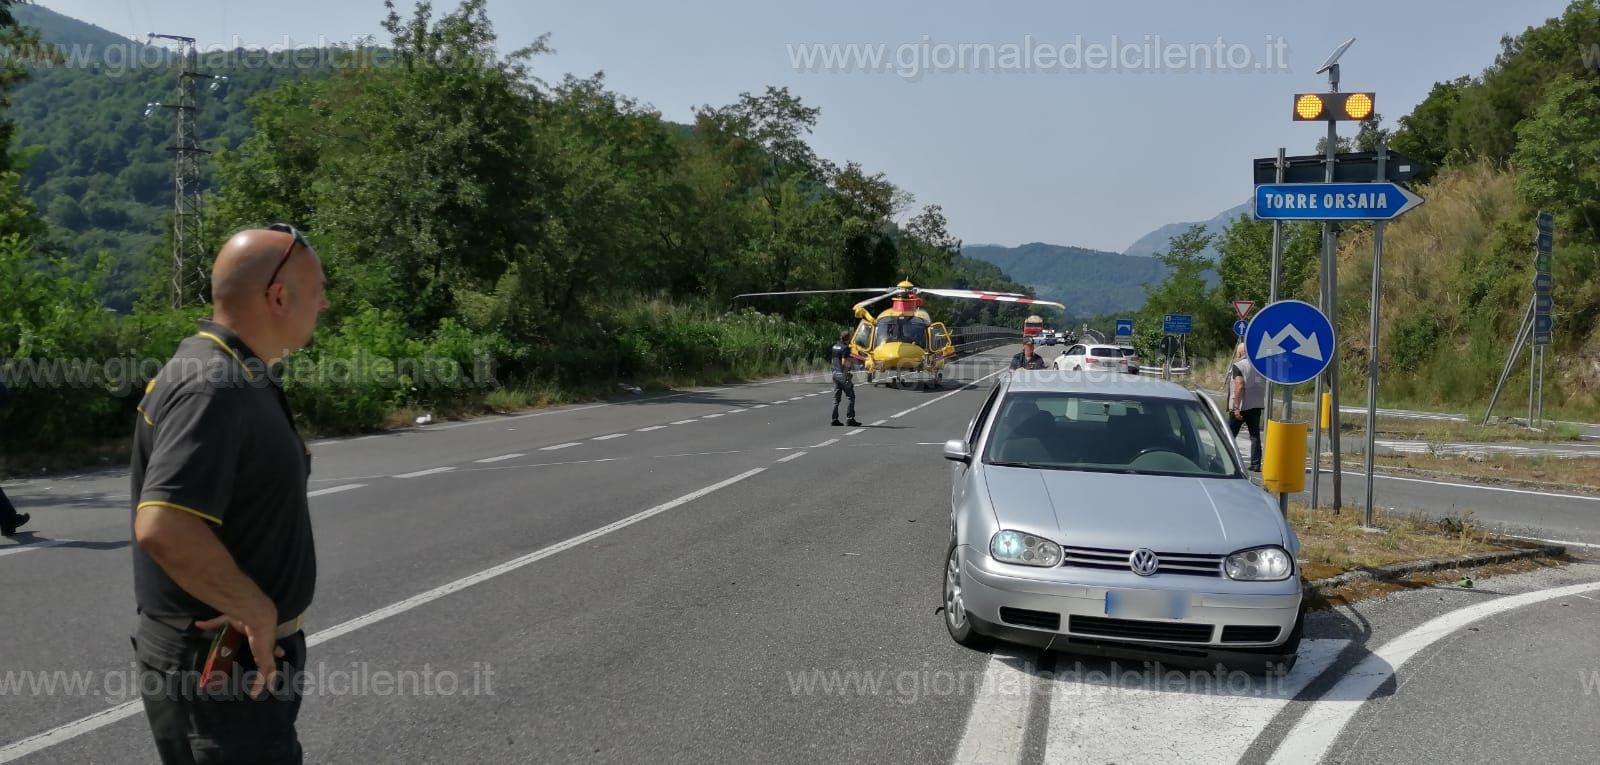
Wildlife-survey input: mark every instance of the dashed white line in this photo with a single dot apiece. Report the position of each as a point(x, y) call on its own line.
point(429, 471)
point(829, 442)
point(1482, 487)
point(29, 546)
point(335, 489)
point(683, 422)
point(609, 437)
point(856, 431)
point(711, 416)
point(733, 411)
point(501, 458)
point(79, 727)
point(795, 456)
point(558, 446)
point(876, 424)
point(652, 427)
point(796, 398)
point(760, 406)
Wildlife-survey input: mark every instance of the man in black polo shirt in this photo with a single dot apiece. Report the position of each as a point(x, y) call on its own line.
point(1027, 359)
point(220, 512)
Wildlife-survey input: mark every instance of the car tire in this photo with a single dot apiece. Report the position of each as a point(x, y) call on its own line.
point(961, 626)
point(1288, 653)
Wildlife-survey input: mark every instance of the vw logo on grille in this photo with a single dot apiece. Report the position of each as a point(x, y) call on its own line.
point(1143, 562)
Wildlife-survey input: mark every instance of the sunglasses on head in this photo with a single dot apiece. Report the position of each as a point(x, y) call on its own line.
point(297, 238)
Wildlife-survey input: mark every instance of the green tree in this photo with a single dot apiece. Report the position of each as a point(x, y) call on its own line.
point(1245, 266)
point(1558, 152)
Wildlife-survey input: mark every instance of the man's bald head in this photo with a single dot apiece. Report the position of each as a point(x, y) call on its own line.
point(278, 312)
point(244, 265)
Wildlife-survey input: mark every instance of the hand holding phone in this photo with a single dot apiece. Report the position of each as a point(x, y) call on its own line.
point(221, 660)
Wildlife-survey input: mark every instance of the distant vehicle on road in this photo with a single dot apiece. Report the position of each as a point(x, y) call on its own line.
point(1099, 358)
point(1113, 518)
point(1047, 337)
point(1032, 326)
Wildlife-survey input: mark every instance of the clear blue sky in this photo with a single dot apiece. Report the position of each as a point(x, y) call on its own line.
point(1093, 158)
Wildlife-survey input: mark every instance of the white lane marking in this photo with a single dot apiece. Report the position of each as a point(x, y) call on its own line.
point(41, 741)
point(335, 489)
point(501, 458)
point(683, 422)
point(829, 442)
point(1096, 716)
point(795, 456)
point(1558, 542)
point(29, 546)
point(470, 423)
point(796, 398)
point(558, 446)
point(1316, 731)
point(997, 726)
point(968, 386)
point(856, 431)
point(538, 465)
point(1482, 487)
point(429, 471)
point(608, 438)
point(760, 406)
point(733, 411)
point(652, 427)
point(812, 395)
point(711, 416)
point(876, 424)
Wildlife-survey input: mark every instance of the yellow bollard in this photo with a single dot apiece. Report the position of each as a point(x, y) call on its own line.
point(1283, 467)
point(1327, 408)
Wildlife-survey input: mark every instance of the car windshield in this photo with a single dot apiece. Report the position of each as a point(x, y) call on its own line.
point(903, 329)
point(1106, 351)
point(1102, 433)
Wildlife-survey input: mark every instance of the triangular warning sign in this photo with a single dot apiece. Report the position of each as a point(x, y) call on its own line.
point(1243, 307)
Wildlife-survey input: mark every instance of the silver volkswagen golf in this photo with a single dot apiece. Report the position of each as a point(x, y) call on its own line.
point(1108, 514)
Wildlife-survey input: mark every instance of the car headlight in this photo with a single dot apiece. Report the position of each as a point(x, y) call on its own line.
point(1263, 564)
point(1024, 549)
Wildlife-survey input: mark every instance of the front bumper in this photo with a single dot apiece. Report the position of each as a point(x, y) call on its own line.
point(1219, 614)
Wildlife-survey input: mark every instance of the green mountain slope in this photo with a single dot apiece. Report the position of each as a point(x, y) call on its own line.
point(1156, 241)
point(1090, 282)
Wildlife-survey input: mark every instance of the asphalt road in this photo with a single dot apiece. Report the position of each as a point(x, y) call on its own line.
point(709, 576)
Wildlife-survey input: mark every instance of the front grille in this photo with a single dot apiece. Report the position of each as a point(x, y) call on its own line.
point(1239, 633)
point(1023, 617)
point(1106, 559)
point(1137, 629)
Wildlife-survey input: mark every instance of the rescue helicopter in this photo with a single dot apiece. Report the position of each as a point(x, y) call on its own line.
point(903, 340)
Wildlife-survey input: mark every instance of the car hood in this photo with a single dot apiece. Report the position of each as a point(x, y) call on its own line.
point(1115, 510)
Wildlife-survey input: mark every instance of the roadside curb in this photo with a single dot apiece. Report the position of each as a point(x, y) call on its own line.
point(1398, 570)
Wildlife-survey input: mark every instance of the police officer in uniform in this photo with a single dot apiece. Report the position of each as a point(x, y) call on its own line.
point(224, 547)
point(1027, 359)
point(840, 360)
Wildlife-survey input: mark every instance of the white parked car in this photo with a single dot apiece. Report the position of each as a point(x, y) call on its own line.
point(1097, 358)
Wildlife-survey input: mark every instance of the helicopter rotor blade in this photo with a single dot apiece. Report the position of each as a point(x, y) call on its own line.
point(870, 301)
point(814, 292)
point(993, 296)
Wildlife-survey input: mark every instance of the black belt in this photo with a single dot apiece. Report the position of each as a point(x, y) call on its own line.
point(182, 623)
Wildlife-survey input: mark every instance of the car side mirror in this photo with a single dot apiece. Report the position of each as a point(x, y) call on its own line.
point(956, 450)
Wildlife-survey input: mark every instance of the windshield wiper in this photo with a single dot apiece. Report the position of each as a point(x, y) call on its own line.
point(1016, 465)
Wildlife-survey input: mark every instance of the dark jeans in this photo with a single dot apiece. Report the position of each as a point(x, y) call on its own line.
point(844, 385)
point(7, 510)
point(196, 727)
point(1251, 417)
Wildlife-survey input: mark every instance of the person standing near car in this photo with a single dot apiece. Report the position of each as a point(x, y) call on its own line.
point(1247, 398)
point(10, 519)
point(224, 562)
point(841, 362)
point(1027, 359)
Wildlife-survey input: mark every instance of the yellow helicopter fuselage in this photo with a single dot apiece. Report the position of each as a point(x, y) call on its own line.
point(902, 339)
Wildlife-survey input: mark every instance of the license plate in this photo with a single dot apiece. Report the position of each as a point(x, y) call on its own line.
point(1143, 604)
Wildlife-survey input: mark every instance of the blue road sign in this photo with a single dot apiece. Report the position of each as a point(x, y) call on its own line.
point(1239, 327)
point(1124, 327)
point(1333, 201)
point(1289, 342)
point(1545, 222)
point(1543, 242)
point(1177, 323)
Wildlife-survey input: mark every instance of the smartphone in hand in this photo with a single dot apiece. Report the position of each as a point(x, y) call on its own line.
point(222, 659)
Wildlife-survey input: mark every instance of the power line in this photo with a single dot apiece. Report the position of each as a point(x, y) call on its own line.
point(189, 280)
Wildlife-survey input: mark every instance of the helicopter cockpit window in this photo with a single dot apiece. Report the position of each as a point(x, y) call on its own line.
point(903, 329)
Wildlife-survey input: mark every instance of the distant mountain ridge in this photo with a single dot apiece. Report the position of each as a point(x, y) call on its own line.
point(71, 33)
point(1090, 282)
point(1156, 241)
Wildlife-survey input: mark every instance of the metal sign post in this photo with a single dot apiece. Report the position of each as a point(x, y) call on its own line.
point(1277, 278)
point(1372, 349)
point(1536, 325)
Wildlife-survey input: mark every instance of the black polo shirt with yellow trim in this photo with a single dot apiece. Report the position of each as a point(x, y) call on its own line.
point(215, 438)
